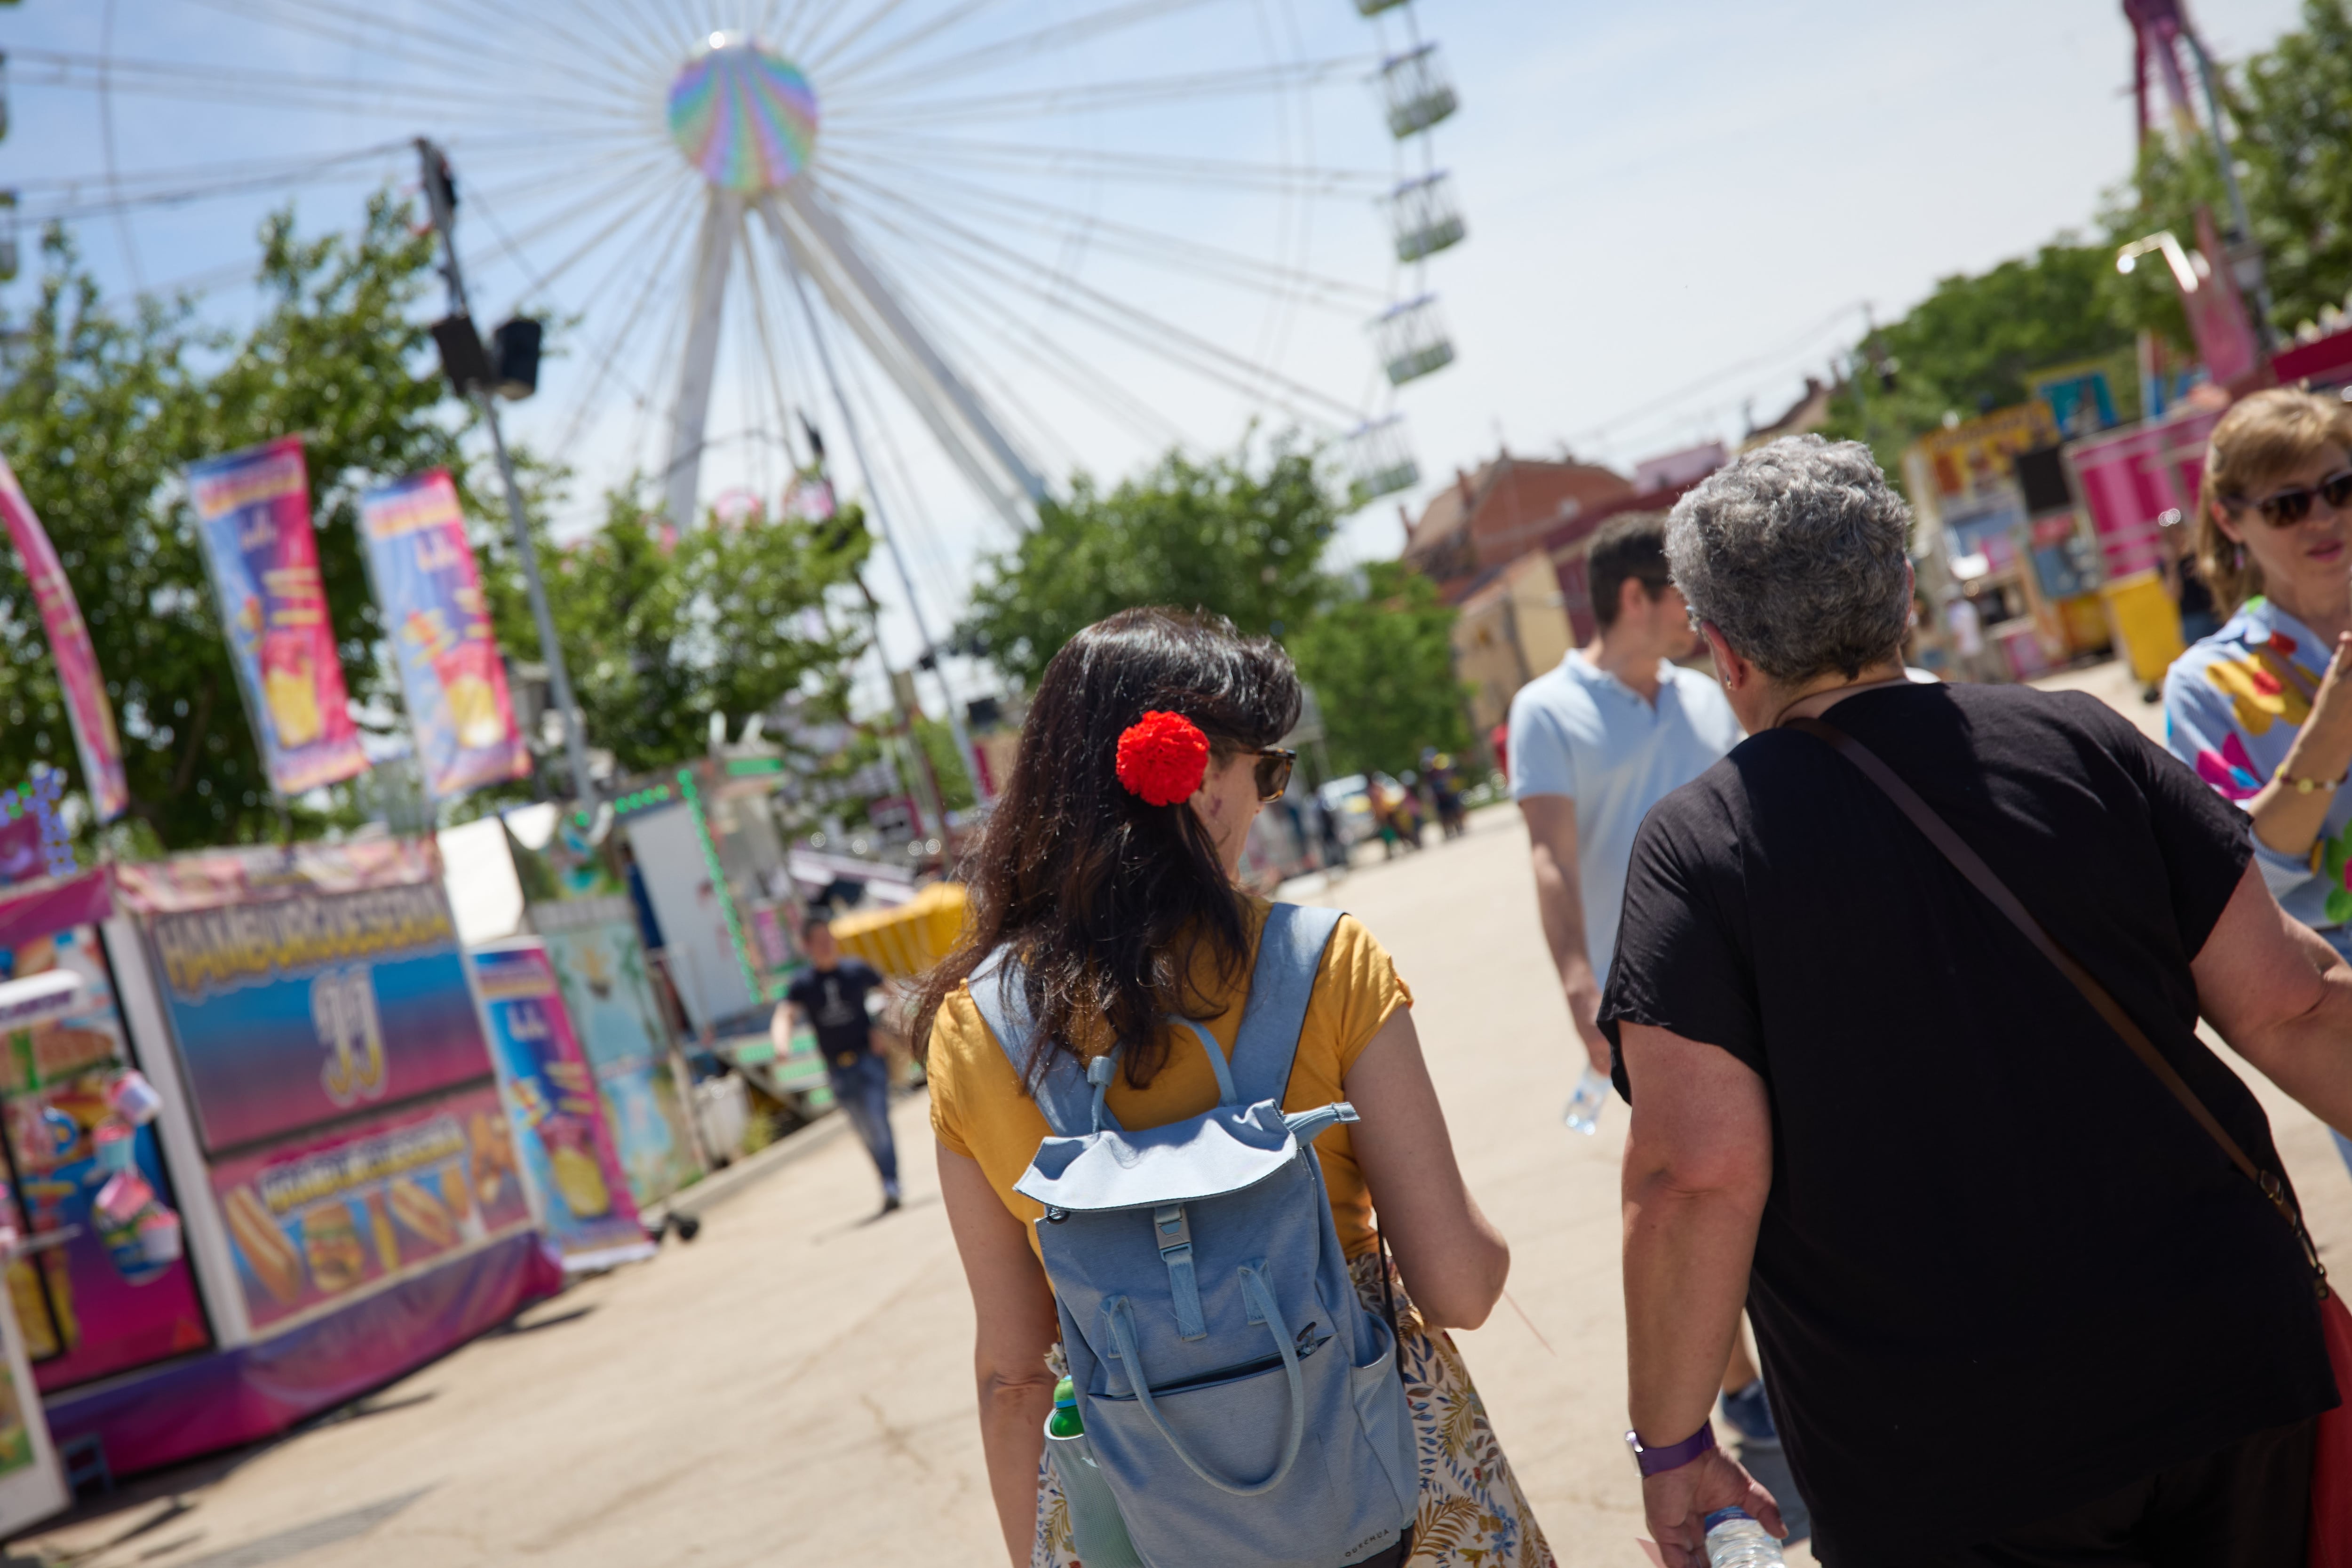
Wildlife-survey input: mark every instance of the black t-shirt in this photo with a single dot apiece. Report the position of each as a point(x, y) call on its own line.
point(2001, 1272)
point(834, 1002)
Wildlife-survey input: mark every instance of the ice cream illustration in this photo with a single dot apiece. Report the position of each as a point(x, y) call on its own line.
point(289, 689)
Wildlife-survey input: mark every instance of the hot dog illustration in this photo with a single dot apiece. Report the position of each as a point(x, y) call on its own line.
point(425, 1215)
point(264, 1246)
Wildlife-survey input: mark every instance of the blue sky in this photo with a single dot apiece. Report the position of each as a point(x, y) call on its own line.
point(1675, 210)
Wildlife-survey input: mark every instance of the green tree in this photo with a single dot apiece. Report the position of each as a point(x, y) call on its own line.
point(100, 412)
point(659, 633)
point(2291, 109)
point(1972, 344)
point(947, 766)
point(1218, 535)
point(1248, 544)
point(1379, 655)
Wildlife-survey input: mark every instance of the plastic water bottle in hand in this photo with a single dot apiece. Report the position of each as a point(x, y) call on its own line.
point(1583, 1113)
point(1736, 1540)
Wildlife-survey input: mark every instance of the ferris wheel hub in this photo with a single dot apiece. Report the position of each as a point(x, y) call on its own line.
point(744, 116)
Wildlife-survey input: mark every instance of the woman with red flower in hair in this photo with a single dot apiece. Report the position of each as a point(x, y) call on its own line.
point(1107, 873)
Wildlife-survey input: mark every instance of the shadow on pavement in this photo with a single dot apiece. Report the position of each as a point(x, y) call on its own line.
point(286, 1544)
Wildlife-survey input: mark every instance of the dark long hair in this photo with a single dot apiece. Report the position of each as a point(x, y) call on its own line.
point(1109, 904)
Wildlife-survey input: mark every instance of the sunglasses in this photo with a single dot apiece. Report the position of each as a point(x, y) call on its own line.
point(1274, 765)
point(2288, 508)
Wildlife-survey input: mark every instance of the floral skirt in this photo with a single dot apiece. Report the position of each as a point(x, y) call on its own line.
point(1472, 1515)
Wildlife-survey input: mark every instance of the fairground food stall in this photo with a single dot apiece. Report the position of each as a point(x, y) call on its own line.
point(328, 1134)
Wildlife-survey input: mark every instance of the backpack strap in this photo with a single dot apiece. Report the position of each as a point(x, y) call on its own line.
point(1066, 1098)
point(1289, 954)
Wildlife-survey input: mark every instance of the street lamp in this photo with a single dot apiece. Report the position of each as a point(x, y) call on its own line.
point(2184, 271)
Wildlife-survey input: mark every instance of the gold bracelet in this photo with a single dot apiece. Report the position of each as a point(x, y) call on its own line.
point(2310, 786)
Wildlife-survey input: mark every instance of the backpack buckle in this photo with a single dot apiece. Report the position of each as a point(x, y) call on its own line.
point(1174, 1232)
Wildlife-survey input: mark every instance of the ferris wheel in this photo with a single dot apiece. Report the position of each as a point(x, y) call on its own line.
point(990, 242)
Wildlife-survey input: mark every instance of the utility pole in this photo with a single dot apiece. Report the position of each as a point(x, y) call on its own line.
point(441, 197)
point(922, 782)
point(980, 791)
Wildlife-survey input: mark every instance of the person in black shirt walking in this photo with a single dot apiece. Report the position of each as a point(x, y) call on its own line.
point(832, 998)
point(2015, 1304)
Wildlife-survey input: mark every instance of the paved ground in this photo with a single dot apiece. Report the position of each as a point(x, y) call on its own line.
point(795, 1387)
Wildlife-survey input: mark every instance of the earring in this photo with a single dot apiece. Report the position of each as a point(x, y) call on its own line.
point(2241, 554)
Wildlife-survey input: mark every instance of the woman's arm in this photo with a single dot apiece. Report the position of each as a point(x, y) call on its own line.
point(1016, 1326)
point(1453, 1260)
point(2288, 818)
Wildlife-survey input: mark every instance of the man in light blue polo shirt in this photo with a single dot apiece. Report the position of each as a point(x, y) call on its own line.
point(1598, 742)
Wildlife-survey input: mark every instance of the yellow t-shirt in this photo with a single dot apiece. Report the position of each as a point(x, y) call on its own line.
point(979, 1108)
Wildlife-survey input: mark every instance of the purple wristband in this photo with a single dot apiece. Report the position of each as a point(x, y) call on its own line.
point(1656, 1461)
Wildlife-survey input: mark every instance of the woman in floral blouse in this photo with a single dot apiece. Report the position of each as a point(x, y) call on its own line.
point(2262, 708)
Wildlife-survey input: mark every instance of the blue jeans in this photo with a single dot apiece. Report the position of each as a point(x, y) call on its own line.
point(863, 1092)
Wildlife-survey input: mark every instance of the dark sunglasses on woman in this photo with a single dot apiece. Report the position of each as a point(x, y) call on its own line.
point(2288, 508)
point(1274, 765)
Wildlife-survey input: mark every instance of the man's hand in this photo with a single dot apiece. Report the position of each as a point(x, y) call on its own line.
point(1676, 1501)
point(1582, 988)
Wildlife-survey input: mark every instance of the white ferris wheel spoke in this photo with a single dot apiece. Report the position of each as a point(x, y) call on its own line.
point(544, 282)
point(821, 247)
point(1083, 98)
point(953, 16)
point(1020, 339)
point(370, 31)
point(1157, 247)
point(624, 65)
point(657, 265)
point(1233, 173)
point(1026, 46)
point(615, 191)
point(1001, 397)
point(819, 58)
point(1141, 328)
point(973, 265)
point(667, 39)
point(284, 89)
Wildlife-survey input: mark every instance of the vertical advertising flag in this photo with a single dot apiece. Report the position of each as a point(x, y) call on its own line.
point(87, 708)
point(253, 514)
point(560, 1132)
point(431, 598)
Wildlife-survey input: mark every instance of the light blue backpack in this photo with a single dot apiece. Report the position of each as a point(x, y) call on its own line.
point(1241, 1406)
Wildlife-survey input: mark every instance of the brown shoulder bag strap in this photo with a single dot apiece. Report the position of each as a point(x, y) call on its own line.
point(1981, 877)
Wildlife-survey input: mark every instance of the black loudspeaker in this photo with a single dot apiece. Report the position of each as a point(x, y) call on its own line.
point(515, 347)
point(2042, 475)
point(463, 359)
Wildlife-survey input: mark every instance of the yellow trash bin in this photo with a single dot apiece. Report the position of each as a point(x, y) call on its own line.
point(2146, 623)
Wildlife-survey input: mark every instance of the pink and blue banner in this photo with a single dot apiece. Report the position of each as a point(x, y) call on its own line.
point(88, 713)
point(560, 1135)
point(253, 514)
point(430, 593)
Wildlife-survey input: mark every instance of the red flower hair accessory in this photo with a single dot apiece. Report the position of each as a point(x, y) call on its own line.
point(1162, 757)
